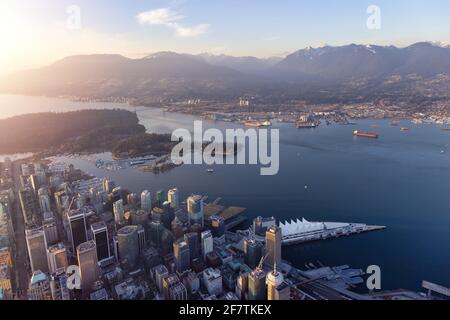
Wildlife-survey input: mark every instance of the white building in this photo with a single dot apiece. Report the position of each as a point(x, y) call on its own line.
point(146, 201)
point(207, 242)
point(212, 280)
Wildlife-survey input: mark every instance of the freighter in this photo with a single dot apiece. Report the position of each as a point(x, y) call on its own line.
point(253, 124)
point(307, 125)
point(357, 133)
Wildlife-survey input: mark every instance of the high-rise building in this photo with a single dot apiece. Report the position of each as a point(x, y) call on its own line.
point(195, 210)
point(88, 266)
point(159, 273)
point(128, 247)
point(57, 258)
point(261, 225)
point(39, 288)
point(58, 286)
point(173, 198)
point(101, 238)
point(193, 243)
point(273, 246)
point(257, 285)
point(77, 228)
point(174, 289)
point(37, 249)
point(159, 198)
point(50, 228)
point(119, 211)
point(212, 280)
point(44, 203)
point(207, 243)
point(132, 199)
point(108, 185)
point(157, 214)
point(146, 201)
point(253, 252)
point(29, 206)
point(242, 285)
point(35, 183)
point(274, 280)
point(141, 239)
point(217, 226)
point(182, 255)
point(140, 217)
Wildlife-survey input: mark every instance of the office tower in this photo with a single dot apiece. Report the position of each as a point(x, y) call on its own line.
point(193, 243)
point(35, 183)
point(182, 255)
point(57, 258)
point(88, 266)
point(39, 288)
point(207, 243)
point(50, 228)
point(157, 214)
point(116, 248)
point(242, 285)
point(37, 249)
point(128, 247)
point(116, 194)
point(6, 228)
point(141, 238)
point(195, 210)
point(253, 252)
point(169, 214)
point(159, 198)
point(273, 281)
point(108, 185)
point(261, 225)
point(44, 203)
point(58, 286)
point(212, 280)
point(174, 289)
point(140, 217)
point(173, 198)
point(119, 211)
point(77, 228)
point(217, 226)
point(29, 206)
point(159, 273)
point(132, 199)
point(146, 201)
point(177, 228)
point(273, 246)
point(257, 285)
point(101, 238)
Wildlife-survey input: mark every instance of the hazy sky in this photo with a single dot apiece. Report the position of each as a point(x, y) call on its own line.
point(38, 32)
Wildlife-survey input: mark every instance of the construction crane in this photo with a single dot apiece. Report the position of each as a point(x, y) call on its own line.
point(261, 263)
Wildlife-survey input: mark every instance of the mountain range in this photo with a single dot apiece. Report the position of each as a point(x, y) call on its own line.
point(173, 76)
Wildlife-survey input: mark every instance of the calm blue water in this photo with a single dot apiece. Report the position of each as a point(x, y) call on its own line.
point(401, 181)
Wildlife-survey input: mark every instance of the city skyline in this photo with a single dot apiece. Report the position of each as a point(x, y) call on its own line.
point(56, 29)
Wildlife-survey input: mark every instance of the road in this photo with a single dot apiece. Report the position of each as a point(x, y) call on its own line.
point(21, 255)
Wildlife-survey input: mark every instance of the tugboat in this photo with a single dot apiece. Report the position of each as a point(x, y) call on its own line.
point(210, 170)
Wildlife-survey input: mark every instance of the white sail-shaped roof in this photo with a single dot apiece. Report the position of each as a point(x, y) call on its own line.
point(299, 227)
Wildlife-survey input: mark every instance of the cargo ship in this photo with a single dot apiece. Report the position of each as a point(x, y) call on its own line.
point(307, 125)
point(357, 133)
point(253, 124)
point(404, 129)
